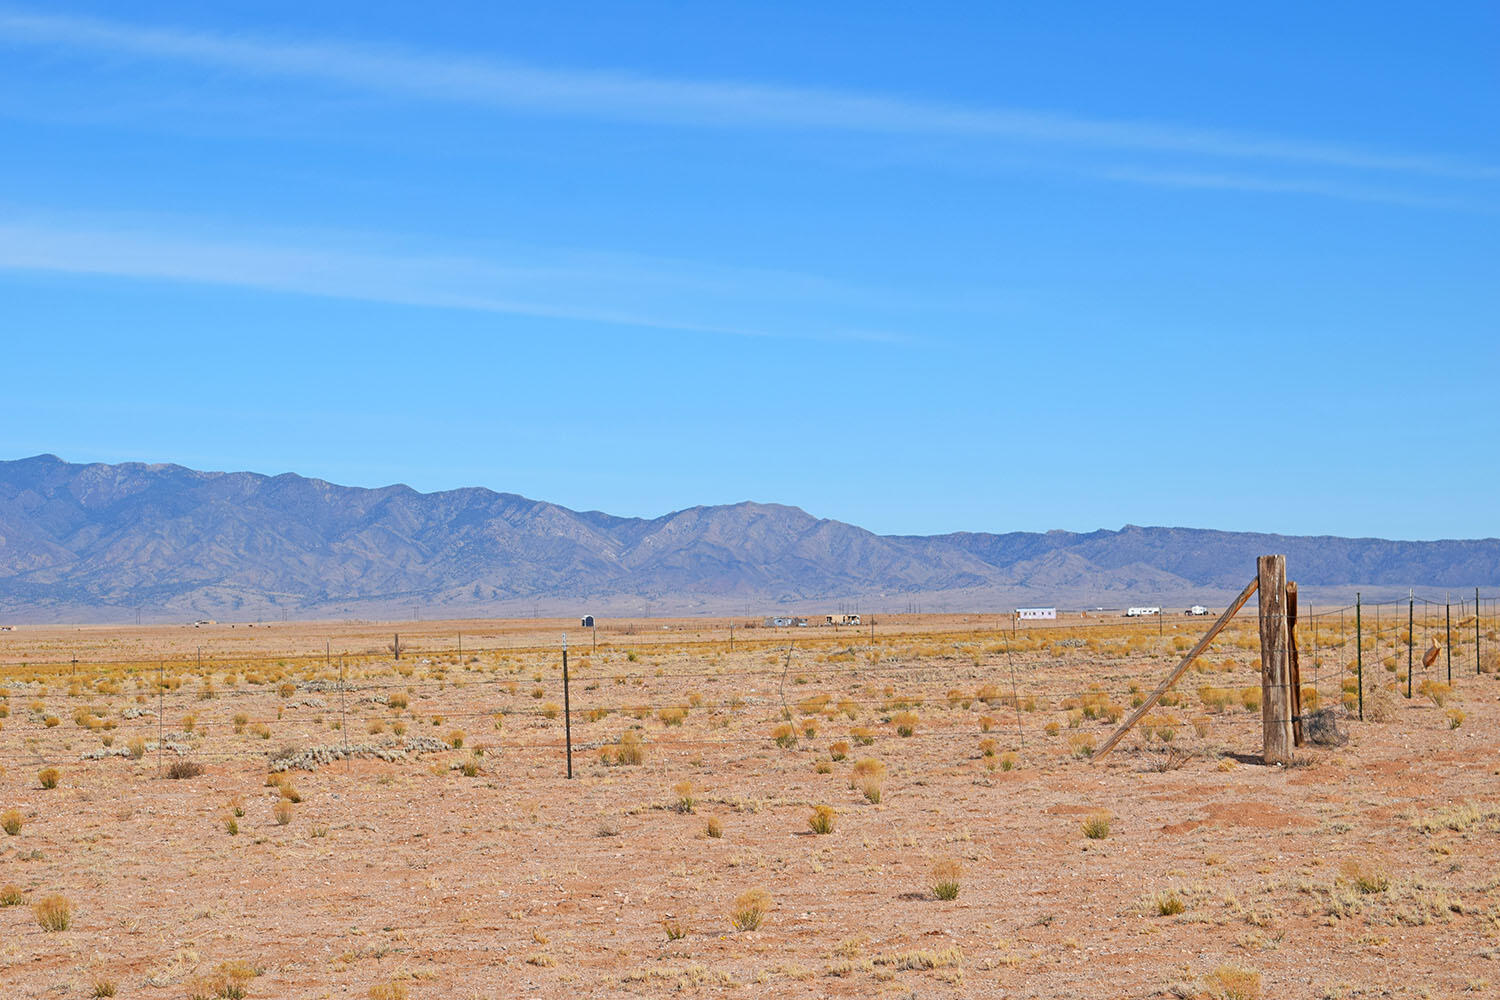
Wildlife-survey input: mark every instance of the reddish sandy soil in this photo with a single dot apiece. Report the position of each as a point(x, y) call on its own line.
point(1366, 870)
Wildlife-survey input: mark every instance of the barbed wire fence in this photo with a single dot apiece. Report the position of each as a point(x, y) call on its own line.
point(960, 685)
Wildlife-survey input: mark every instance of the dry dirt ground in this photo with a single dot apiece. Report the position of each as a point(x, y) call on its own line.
point(450, 857)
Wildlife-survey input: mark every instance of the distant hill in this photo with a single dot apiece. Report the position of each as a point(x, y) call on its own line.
point(97, 542)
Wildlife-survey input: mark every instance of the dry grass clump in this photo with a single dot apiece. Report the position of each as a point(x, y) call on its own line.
point(1455, 717)
point(1460, 818)
point(672, 716)
point(630, 751)
point(1082, 744)
point(11, 895)
point(749, 909)
point(180, 769)
point(1369, 877)
point(676, 929)
point(838, 750)
point(1168, 904)
point(684, 792)
point(1233, 982)
point(11, 821)
point(1096, 826)
point(282, 811)
point(785, 735)
point(53, 913)
point(392, 990)
point(822, 819)
point(946, 875)
point(714, 827)
point(49, 777)
point(864, 737)
point(905, 723)
point(868, 775)
point(102, 987)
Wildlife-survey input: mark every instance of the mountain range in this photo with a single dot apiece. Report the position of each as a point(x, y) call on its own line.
point(102, 543)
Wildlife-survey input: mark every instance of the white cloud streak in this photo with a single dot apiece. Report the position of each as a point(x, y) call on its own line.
point(698, 103)
point(614, 291)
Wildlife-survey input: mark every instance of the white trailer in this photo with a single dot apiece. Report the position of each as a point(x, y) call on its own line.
point(1141, 612)
point(1036, 614)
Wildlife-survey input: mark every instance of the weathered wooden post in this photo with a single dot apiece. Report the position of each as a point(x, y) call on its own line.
point(1275, 665)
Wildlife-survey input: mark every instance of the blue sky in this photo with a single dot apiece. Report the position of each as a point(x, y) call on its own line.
point(920, 267)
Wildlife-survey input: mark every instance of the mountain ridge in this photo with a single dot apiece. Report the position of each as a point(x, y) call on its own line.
point(95, 542)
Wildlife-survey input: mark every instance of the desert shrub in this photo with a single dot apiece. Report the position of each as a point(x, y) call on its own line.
point(905, 723)
point(822, 819)
point(628, 752)
point(861, 736)
point(1096, 826)
point(987, 748)
point(946, 875)
point(11, 821)
point(1168, 904)
point(1231, 982)
point(53, 913)
point(1455, 718)
point(785, 736)
point(749, 909)
point(714, 827)
point(676, 930)
point(1437, 691)
point(49, 777)
point(456, 739)
point(180, 769)
point(987, 722)
point(672, 716)
point(1052, 729)
point(287, 689)
point(684, 792)
point(1322, 728)
point(398, 701)
point(1250, 699)
point(232, 826)
point(1380, 706)
point(282, 811)
point(1007, 761)
point(1082, 745)
point(392, 990)
point(102, 987)
point(839, 750)
point(1368, 877)
point(137, 748)
point(10, 895)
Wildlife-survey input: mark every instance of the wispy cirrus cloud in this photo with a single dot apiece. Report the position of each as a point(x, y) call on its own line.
point(697, 103)
point(617, 290)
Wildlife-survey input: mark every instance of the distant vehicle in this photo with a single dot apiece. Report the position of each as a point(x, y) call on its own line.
point(1141, 612)
point(204, 621)
point(7, 628)
point(587, 621)
point(1196, 609)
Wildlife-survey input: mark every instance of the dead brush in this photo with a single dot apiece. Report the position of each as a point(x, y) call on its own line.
point(946, 878)
point(822, 820)
point(180, 769)
point(749, 909)
point(53, 913)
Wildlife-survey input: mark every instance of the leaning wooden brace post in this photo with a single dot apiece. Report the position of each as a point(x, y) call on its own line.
point(1275, 666)
point(1295, 691)
point(1193, 654)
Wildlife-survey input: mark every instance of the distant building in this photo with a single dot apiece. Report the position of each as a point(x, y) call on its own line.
point(1196, 609)
point(1141, 612)
point(785, 621)
point(1035, 614)
point(841, 620)
point(587, 621)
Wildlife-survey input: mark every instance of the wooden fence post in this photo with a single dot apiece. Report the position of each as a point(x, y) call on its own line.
point(1275, 666)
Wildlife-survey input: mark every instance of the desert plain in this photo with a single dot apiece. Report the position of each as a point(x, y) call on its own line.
point(913, 809)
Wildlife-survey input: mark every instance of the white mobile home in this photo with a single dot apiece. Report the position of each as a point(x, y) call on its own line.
point(1036, 614)
point(1142, 612)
